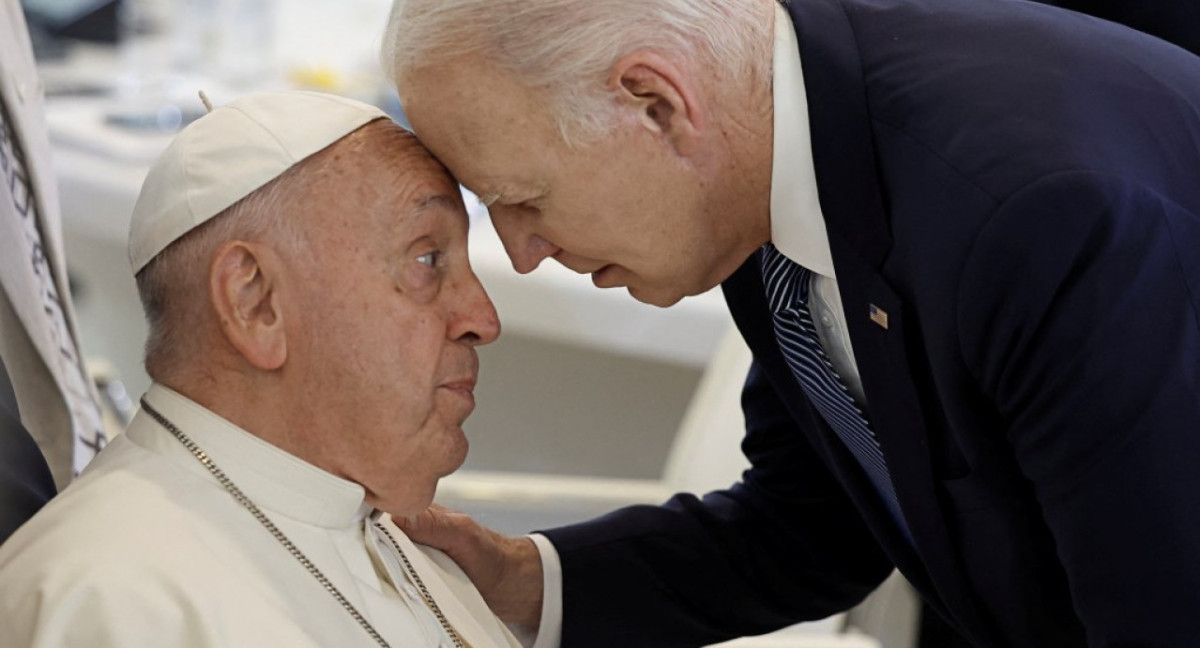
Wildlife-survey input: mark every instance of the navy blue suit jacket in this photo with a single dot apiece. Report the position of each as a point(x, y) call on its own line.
point(1018, 188)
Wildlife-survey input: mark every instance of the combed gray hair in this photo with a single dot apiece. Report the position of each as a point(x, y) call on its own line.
point(174, 284)
point(566, 47)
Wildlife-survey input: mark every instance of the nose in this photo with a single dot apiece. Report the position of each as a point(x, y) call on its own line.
point(476, 322)
point(524, 247)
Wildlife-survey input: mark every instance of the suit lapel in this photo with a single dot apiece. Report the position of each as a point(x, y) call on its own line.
point(860, 240)
point(894, 407)
point(746, 296)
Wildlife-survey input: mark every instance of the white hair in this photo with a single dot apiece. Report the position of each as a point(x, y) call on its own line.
point(566, 47)
point(174, 283)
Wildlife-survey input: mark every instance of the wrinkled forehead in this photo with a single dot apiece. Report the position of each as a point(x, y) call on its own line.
point(378, 161)
point(376, 181)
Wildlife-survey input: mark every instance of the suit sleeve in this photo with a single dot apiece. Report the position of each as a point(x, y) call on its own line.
point(1088, 340)
point(784, 545)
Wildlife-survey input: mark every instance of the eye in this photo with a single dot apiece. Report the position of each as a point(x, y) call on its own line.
point(422, 274)
point(430, 258)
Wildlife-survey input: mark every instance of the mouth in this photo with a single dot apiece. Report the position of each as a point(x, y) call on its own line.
point(463, 388)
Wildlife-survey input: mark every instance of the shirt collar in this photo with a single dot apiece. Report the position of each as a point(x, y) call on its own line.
point(270, 477)
point(797, 224)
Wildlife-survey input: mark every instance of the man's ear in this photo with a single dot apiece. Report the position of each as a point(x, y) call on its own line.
point(666, 98)
point(243, 285)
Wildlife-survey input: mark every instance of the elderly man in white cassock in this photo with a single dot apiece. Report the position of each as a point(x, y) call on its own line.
point(303, 265)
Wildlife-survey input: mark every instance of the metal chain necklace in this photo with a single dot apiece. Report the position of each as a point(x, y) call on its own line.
point(416, 579)
point(316, 573)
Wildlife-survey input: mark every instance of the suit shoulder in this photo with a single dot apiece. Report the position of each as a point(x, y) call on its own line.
point(1008, 92)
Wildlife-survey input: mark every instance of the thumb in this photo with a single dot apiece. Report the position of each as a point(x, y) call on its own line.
point(439, 527)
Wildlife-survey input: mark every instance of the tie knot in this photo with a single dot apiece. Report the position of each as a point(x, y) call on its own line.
point(786, 281)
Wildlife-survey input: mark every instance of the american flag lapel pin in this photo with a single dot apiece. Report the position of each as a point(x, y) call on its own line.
point(879, 316)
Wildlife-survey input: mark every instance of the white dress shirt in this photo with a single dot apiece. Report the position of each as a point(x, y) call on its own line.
point(147, 549)
point(798, 232)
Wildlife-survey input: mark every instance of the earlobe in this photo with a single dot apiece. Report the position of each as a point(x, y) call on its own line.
point(244, 291)
point(662, 94)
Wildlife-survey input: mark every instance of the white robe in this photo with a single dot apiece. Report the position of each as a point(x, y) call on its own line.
point(147, 549)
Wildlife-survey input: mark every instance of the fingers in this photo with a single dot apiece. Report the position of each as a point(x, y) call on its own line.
point(451, 531)
point(506, 571)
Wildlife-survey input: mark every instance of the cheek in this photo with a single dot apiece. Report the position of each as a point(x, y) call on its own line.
point(401, 358)
point(595, 230)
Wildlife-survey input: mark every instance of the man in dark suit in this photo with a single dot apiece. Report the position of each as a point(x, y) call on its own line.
point(960, 237)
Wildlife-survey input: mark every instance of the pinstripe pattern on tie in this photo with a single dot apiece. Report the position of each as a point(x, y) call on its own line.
point(787, 285)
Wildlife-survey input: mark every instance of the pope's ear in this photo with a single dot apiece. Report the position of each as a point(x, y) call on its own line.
point(664, 96)
point(243, 285)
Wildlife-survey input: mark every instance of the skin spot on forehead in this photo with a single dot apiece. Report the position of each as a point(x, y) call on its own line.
point(383, 167)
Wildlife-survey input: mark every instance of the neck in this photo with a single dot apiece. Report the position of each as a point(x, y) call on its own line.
point(256, 402)
point(744, 197)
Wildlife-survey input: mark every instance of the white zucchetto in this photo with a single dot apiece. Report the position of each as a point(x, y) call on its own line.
point(228, 154)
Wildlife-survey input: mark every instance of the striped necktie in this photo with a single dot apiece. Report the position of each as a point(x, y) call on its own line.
point(787, 285)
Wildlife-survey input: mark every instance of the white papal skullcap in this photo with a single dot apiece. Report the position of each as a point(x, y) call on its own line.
point(228, 154)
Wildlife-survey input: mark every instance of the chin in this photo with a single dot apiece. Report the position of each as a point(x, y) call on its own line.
point(456, 454)
point(662, 299)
